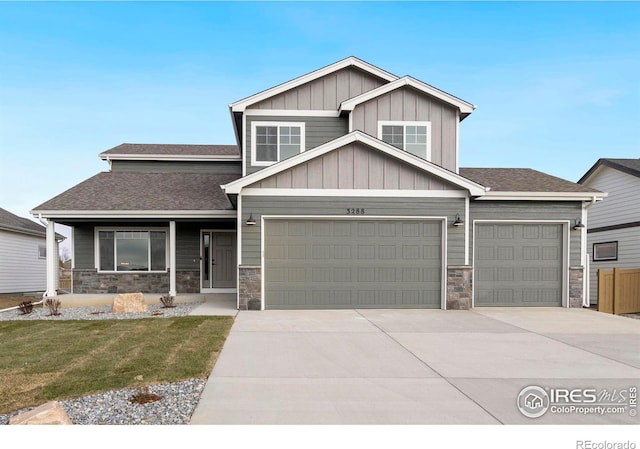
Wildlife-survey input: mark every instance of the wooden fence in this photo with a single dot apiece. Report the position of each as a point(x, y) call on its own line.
point(619, 291)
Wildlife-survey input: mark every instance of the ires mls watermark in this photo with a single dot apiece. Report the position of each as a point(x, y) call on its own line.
point(534, 401)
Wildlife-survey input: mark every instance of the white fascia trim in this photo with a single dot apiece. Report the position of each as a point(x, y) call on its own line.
point(291, 113)
point(168, 157)
point(136, 214)
point(463, 106)
point(241, 105)
point(543, 196)
point(355, 136)
point(356, 192)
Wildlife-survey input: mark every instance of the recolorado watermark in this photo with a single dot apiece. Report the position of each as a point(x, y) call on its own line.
point(535, 401)
point(588, 444)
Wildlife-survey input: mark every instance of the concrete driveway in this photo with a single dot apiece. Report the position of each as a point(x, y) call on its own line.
point(420, 366)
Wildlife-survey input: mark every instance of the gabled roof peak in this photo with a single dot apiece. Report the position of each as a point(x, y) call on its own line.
point(351, 61)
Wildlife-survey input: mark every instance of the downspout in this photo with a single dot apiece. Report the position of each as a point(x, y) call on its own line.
point(586, 297)
point(17, 307)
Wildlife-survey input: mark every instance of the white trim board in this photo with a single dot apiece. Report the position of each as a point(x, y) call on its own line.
point(164, 214)
point(254, 191)
point(291, 113)
point(464, 107)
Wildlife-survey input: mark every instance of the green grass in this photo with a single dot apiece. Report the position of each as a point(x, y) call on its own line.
point(42, 361)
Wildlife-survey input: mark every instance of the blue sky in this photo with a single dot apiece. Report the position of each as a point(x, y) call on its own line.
point(557, 85)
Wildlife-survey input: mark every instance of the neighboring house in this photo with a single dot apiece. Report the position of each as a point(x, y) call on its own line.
point(23, 254)
point(613, 229)
point(343, 191)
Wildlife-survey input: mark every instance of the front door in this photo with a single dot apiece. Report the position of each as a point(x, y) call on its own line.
point(218, 261)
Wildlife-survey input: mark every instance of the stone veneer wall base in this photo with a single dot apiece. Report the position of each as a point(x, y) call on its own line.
point(459, 287)
point(576, 291)
point(250, 287)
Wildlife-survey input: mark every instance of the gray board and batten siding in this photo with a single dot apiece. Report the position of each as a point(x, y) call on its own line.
point(407, 104)
point(325, 93)
point(339, 207)
point(318, 130)
point(217, 167)
point(355, 166)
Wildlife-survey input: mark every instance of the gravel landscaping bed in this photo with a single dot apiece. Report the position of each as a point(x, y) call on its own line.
point(99, 313)
point(179, 399)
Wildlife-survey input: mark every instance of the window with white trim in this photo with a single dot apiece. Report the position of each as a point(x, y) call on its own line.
point(131, 250)
point(605, 251)
point(275, 141)
point(42, 251)
point(412, 137)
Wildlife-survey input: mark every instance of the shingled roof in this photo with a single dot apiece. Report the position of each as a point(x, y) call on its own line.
point(124, 191)
point(149, 149)
point(629, 166)
point(521, 180)
point(11, 222)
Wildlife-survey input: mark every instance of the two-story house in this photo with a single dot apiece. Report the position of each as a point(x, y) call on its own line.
point(344, 191)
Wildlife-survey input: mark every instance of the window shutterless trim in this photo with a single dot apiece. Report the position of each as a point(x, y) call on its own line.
point(97, 230)
point(254, 161)
point(404, 125)
point(604, 259)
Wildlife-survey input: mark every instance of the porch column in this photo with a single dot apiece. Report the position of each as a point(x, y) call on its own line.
point(52, 260)
point(172, 258)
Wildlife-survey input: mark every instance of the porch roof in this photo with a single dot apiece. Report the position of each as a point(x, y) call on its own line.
point(125, 193)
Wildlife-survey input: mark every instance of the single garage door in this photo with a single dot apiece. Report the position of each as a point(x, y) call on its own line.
point(352, 263)
point(518, 264)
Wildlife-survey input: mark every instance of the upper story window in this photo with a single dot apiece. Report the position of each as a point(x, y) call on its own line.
point(275, 141)
point(412, 137)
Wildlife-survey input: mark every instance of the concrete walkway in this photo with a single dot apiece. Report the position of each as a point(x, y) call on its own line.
point(416, 366)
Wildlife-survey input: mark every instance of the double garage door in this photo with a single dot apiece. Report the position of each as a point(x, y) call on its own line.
point(352, 263)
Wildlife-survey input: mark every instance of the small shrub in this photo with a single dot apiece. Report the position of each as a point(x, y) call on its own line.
point(25, 307)
point(53, 304)
point(167, 301)
point(144, 396)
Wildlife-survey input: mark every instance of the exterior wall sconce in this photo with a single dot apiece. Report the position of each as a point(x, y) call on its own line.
point(578, 225)
point(458, 221)
point(250, 221)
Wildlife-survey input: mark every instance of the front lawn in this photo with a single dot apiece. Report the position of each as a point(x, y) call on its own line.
point(46, 360)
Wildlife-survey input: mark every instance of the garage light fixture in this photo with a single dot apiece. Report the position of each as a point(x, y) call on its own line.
point(578, 225)
point(458, 221)
point(250, 221)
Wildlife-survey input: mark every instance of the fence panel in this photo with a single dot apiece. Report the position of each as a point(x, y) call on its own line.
point(605, 291)
point(619, 291)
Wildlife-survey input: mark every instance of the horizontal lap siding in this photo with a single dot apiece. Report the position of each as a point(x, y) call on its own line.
point(21, 268)
point(222, 168)
point(318, 130)
point(407, 104)
point(628, 254)
point(534, 211)
point(336, 206)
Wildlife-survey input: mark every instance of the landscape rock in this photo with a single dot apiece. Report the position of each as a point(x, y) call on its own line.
point(49, 413)
point(129, 303)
